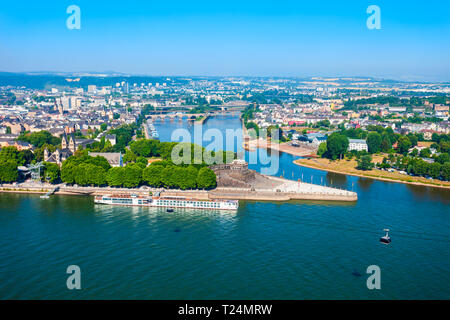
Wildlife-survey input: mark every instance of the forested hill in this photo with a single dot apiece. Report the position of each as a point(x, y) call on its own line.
point(46, 81)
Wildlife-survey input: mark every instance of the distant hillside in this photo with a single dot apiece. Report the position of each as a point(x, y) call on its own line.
point(43, 81)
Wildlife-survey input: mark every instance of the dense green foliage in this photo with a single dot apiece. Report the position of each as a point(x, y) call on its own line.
point(403, 144)
point(253, 129)
point(165, 174)
point(85, 170)
point(124, 134)
point(100, 146)
point(206, 178)
point(8, 171)
point(38, 139)
point(186, 153)
point(249, 113)
point(275, 132)
point(52, 173)
point(365, 163)
point(10, 159)
point(162, 174)
point(393, 101)
point(337, 145)
point(322, 149)
point(374, 142)
point(12, 154)
point(440, 169)
point(146, 148)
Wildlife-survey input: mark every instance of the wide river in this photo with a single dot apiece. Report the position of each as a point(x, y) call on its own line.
point(292, 250)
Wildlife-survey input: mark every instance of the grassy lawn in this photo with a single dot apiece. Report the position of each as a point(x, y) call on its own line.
point(426, 144)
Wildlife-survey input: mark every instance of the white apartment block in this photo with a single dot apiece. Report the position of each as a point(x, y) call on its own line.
point(357, 144)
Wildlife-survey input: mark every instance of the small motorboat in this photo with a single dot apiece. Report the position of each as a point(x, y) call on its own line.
point(385, 239)
point(169, 210)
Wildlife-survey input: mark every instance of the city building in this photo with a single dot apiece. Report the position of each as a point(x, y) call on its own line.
point(115, 159)
point(357, 144)
point(68, 148)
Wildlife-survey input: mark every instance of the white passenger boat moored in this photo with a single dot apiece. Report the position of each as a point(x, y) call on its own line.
point(167, 201)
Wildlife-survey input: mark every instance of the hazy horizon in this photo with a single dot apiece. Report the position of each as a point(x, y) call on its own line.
point(123, 74)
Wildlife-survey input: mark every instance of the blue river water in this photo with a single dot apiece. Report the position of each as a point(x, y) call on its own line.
point(267, 250)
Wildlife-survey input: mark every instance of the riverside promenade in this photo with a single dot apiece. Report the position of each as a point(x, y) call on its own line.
point(279, 189)
point(271, 189)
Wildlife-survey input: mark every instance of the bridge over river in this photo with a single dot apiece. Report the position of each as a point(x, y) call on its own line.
point(180, 116)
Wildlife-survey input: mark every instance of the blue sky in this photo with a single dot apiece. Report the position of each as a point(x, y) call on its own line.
point(255, 38)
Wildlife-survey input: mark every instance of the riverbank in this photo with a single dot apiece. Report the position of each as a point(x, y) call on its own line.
point(276, 189)
point(348, 168)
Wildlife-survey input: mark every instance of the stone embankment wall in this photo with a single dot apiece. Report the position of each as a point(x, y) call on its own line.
point(283, 191)
point(264, 195)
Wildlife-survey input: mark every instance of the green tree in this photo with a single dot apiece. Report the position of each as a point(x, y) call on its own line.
point(206, 178)
point(129, 156)
point(425, 153)
point(11, 154)
point(165, 149)
point(142, 162)
point(124, 135)
point(72, 170)
point(434, 170)
point(322, 149)
point(179, 178)
point(190, 180)
point(68, 171)
point(96, 175)
point(132, 176)
point(403, 145)
point(152, 175)
point(52, 173)
point(386, 144)
point(443, 158)
point(365, 163)
point(413, 138)
point(275, 132)
point(253, 129)
point(444, 146)
point(98, 161)
point(38, 139)
point(80, 174)
point(445, 171)
point(168, 178)
point(337, 145)
point(145, 147)
point(374, 142)
point(27, 156)
point(114, 176)
point(8, 171)
point(420, 167)
point(107, 147)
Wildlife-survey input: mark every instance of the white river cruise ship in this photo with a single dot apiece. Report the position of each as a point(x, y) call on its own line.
point(167, 201)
